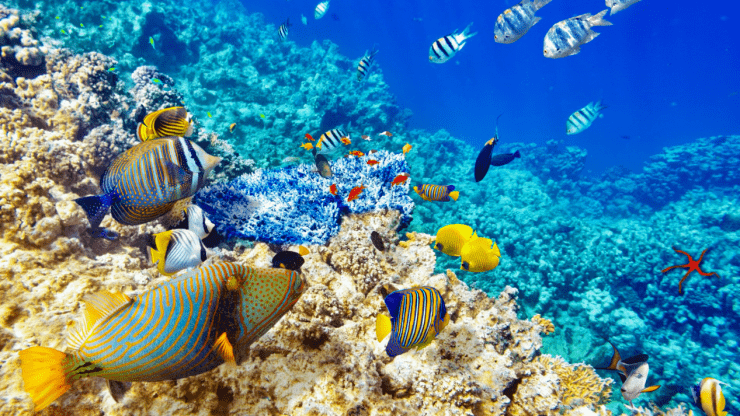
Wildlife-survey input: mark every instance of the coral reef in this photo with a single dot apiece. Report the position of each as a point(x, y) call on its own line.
point(294, 205)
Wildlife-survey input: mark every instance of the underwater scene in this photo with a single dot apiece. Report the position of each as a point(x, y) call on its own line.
point(325, 207)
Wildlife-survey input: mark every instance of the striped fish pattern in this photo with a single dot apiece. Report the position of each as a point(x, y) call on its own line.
point(283, 29)
point(446, 47)
point(582, 119)
point(321, 9)
point(144, 182)
point(173, 121)
point(709, 397)
point(182, 328)
point(417, 316)
point(176, 250)
point(441, 193)
point(513, 23)
point(619, 5)
point(330, 141)
point(566, 37)
point(365, 63)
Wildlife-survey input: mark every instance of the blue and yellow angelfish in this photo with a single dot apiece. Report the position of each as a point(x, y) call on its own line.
point(181, 328)
point(418, 315)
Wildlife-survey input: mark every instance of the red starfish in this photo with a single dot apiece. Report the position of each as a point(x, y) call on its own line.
point(691, 265)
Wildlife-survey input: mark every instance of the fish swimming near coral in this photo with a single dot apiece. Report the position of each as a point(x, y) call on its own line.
point(309, 137)
point(144, 182)
point(330, 141)
point(377, 240)
point(307, 146)
point(372, 162)
point(322, 165)
point(513, 23)
point(708, 396)
point(406, 148)
point(504, 158)
point(151, 42)
point(444, 48)
point(232, 126)
point(401, 178)
point(582, 119)
point(566, 37)
point(418, 315)
point(304, 20)
point(619, 5)
point(288, 260)
point(483, 161)
point(478, 256)
point(440, 193)
point(386, 133)
point(333, 189)
point(283, 29)
point(321, 9)
point(633, 372)
point(365, 63)
point(172, 121)
point(195, 220)
point(176, 250)
point(356, 153)
point(355, 193)
point(452, 238)
point(183, 327)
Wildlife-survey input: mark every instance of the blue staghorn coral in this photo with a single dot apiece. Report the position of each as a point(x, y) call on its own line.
point(294, 205)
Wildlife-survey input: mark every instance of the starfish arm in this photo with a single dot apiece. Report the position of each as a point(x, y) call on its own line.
point(673, 267)
point(683, 252)
point(707, 274)
point(680, 291)
point(702, 255)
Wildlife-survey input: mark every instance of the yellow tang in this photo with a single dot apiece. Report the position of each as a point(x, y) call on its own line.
point(478, 256)
point(172, 121)
point(451, 238)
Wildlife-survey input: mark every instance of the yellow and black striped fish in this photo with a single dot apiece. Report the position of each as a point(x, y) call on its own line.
point(283, 29)
point(176, 250)
point(172, 121)
point(708, 396)
point(418, 315)
point(182, 328)
point(144, 182)
point(330, 141)
point(365, 63)
point(441, 193)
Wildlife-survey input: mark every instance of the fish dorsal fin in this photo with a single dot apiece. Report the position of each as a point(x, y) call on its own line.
point(649, 389)
point(393, 303)
point(98, 308)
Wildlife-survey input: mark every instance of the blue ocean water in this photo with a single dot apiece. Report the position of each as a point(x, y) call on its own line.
point(666, 70)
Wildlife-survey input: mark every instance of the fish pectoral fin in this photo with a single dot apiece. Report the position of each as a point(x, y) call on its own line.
point(98, 307)
point(118, 389)
point(224, 349)
point(649, 389)
point(382, 327)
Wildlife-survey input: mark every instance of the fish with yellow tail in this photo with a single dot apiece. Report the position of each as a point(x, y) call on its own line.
point(633, 372)
point(418, 315)
point(176, 250)
point(184, 327)
point(144, 182)
point(477, 255)
point(452, 238)
point(172, 121)
point(708, 396)
point(441, 193)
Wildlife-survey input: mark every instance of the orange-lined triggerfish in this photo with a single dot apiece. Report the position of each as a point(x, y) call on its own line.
point(182, 328)
point(418, 315)
point(144, 182)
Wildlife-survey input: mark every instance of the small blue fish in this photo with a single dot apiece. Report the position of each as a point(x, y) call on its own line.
point(418, 315)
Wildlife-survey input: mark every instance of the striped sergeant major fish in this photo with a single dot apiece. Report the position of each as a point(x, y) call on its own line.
point(321, 9)
point(566, 37)
point(582, 119)
point(172, 121)
point(330, 141)
point(513, 23)
point(619, 5)
point(144, 182)
point(283, 29)
point(441, 193)
point(176, 250)
point(418, 315)
point(182, 328)
point(365, 63)
point(446, 47)
point(708, 396)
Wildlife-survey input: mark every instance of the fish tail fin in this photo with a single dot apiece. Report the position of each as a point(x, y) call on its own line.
point(613, 364)
point(374, 50)
point(599, 106)
point(44, 375)
point(538, 4)
point(382, 327)
point(466, 33)
point(96, 207)
point(454, 195)
point(598, 19)
point(517, 154)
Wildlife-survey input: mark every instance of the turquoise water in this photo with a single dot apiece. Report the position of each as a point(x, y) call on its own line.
point(585, 223)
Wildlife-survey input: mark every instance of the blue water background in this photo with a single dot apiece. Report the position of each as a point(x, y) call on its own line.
point(667, 70)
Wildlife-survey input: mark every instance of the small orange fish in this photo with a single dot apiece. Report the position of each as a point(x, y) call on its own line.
point(309, 137)
point(307, 146)
point(231, 127)
point(406, 148)
point(346, 141)
point(372, 162)
point(365, 137)
point(355, 193)
point(387, 133)
point(333, 189)
point(356, 153)
point(400, 179)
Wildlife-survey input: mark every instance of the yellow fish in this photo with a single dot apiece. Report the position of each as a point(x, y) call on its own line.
point(151, 42)
point(406, 148)
point(451, 238)
point(478, 256)
point(307, 146)
point(708, 396)
point(209, 114)
point(262, 116)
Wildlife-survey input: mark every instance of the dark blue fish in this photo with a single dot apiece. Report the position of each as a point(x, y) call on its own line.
point(504, 158)
point(483, 162)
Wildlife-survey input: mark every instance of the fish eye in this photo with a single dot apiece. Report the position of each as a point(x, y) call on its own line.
point(465, 265)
